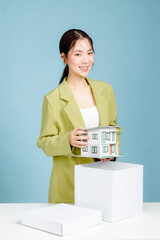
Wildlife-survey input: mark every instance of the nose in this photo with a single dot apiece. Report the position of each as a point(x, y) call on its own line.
point(85, 58)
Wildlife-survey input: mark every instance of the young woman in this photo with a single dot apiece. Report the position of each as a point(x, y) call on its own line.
point(77, 103)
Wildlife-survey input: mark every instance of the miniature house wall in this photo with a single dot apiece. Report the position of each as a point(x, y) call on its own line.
point(102, 142)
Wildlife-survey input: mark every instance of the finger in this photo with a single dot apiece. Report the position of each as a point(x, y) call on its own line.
point(106, 159)
point(82, 138)
point(79, 146)
point(81, 132)
point(102, 159)
point(76, 130)
point(80, 128)
point(109, 159)
point(81, 143)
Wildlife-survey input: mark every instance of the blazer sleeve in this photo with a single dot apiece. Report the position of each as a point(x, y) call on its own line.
point(50, 141)
point(113, 117)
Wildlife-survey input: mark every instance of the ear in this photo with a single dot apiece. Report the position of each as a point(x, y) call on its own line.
point(63, 56)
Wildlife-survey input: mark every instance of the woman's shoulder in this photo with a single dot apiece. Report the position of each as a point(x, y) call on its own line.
point(100, 84)
point(53, 93)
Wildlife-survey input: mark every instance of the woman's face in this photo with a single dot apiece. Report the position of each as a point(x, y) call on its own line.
point(80, 58)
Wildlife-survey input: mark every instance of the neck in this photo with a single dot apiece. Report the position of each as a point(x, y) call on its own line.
point(76, 82)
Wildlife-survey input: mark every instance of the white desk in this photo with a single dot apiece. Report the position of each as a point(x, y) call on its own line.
point(143, 226)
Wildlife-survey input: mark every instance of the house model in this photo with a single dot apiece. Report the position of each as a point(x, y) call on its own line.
point(102, 142)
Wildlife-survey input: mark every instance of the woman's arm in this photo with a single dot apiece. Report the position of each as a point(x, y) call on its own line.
point(55, 144)
point(113, 117)
point(50, 141)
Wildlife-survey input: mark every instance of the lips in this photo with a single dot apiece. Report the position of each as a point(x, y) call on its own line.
point(84, 68)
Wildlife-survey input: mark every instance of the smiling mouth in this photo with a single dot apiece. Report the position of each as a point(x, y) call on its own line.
point(84, 68)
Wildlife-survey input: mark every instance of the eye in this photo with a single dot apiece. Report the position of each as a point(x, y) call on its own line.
point(90, 53)
point(77, 54)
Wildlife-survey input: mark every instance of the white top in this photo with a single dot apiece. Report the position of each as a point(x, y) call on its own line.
point(90, 117)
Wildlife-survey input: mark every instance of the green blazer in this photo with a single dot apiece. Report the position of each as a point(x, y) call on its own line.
point(60, 115)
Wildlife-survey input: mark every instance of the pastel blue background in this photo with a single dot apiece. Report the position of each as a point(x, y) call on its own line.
point(126, 36)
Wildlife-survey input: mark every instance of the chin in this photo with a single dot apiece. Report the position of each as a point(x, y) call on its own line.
point(84, 74)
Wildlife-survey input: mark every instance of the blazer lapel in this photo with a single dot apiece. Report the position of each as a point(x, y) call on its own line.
point(101, 101)
point(71, 108)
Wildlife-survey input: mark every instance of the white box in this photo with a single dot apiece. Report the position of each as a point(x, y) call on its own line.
point(62, 219)
point(115, 188)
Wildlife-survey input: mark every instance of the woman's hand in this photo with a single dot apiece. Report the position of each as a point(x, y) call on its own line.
point(106, 159)
point(75, 137)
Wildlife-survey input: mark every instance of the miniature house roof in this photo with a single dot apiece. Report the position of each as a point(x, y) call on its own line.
point(101, 127)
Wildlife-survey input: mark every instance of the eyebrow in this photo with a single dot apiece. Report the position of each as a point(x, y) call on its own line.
point(82, 51)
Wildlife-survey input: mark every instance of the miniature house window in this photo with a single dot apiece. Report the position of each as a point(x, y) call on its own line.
point(85, 149)
point(105, 149)
point(113, 136)
point(103, 136)
point(113, 148)
point(95, 136)
point(108, 136)
point(94, 149)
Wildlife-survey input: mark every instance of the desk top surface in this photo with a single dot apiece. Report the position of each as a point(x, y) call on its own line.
point(143, 226)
